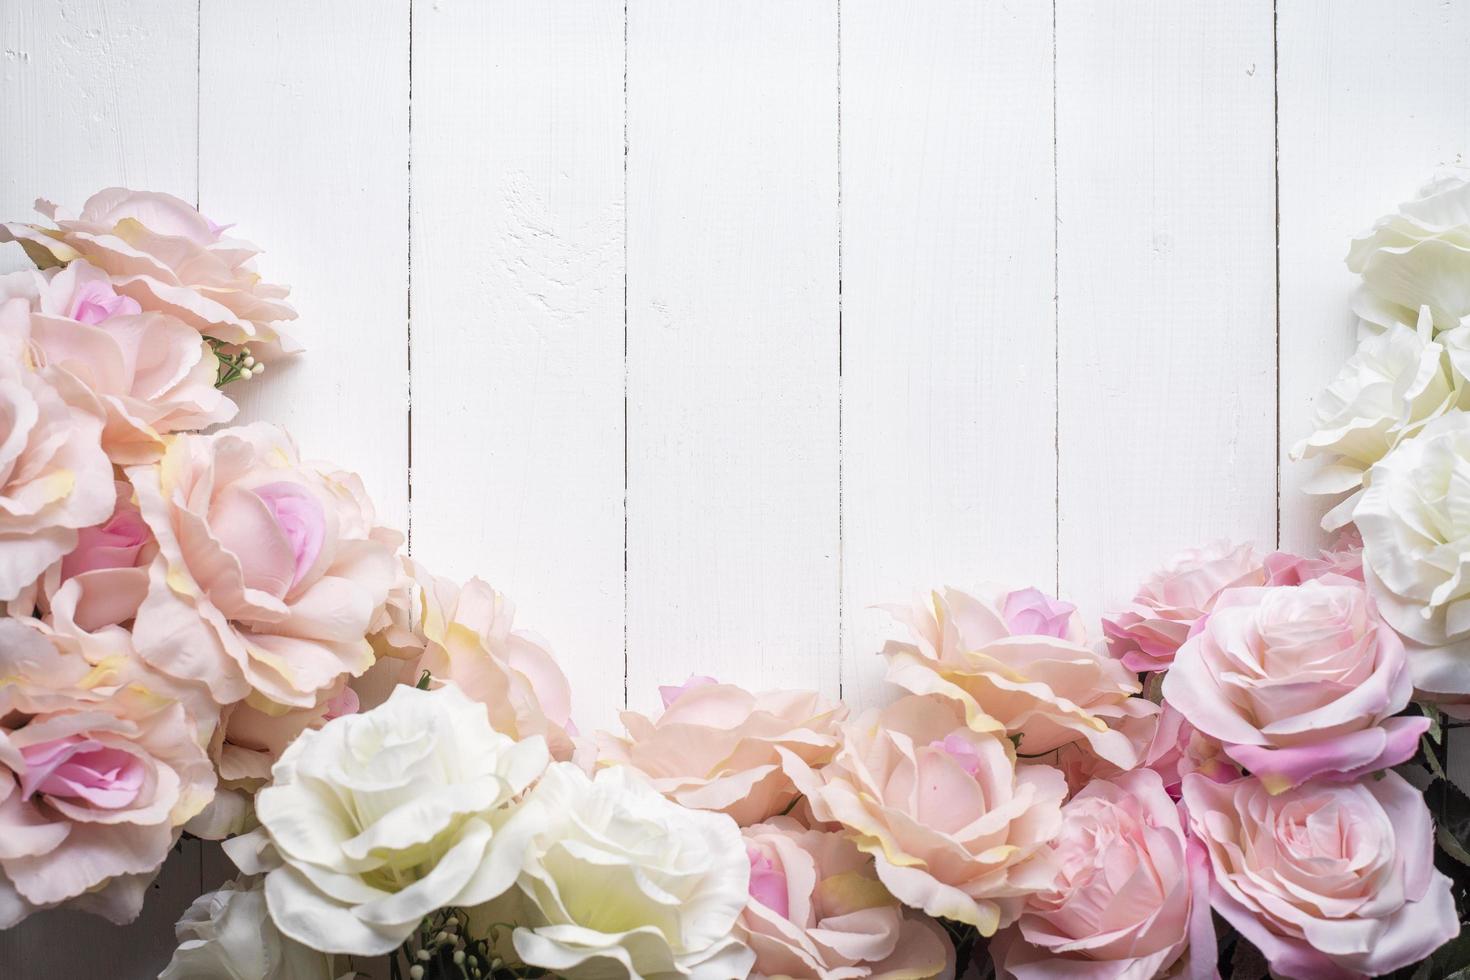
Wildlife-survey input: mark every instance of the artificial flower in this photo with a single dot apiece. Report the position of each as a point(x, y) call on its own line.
point(269, 570)
point(1050, 688)
point(1147, 633)
point(167, 257)
point(227, 934)
point(955, 827)
point(1298, 681)
point(97, 774)
point(377, 819)
point(715, 746)
point(1130, 897)
point(1415, 521)
point(817, 909)
point(617, 881)
point(1330, 880)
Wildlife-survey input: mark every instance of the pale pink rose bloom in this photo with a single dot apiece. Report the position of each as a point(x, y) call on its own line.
point(1297, 682)
point(162, 253)
point(715, 747)
point(466, 635)
point(1344, 558)
point(1146, 634)
point(955, 827)
point(1167, 743)
point(151, 373)
point(1130, 899)
point(1051, 688)
point(817, 909)
point(54, 477)
point(97, 774)
point(1330, 880)
point(248, 741)
point(269, 570)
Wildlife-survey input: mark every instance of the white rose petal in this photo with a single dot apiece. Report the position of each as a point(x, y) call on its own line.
point(227, 934)
point(381, 818)
point(618, 881)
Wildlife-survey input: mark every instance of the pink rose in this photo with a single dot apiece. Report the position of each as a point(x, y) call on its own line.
point(715, 747)
point(1167, 744)
point(1330, 880)
point(54, 477)
point(168, 258)
point(1297, 682)
point(1146, 634)
point(817, 909)
point(97, 774)
point(1130, 898)
point(269, 571)
point(1050, 687)
point(466, 635)
point(954, 826)
point(248, 741)
point(151, 373)
point(1344, 558)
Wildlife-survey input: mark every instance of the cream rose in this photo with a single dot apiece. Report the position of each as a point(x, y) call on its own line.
point(377, 819)
point(227, 934)
point(1419, 257)
point(1020, 661)
point(466, 635)
point(1331, 880)
point(166, 256)
point(1396, 382)
point(680, 877)
point(54, 477)
point(954, 826)
point(715, 746)
point(97, 774)
point(1415, 521)
point(817, 909)
point(1129, 899)
point(269, 571)
point(1298, 681)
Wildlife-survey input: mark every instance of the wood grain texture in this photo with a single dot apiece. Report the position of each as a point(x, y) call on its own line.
point(92, 95)
point(1166, 279)
point(518, 319)
point(304, 147)
point(732, 344)
point(1365, 120)
point(948, 340)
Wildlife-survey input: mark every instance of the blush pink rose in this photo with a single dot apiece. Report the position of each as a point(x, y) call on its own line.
point(97, 775)
point(54, 477)
point(1330, 880)
point(1048, 687)
point(269, 570)
point(1297, 682)
point(168, 258)
point(151, 373)
point(248, 741)
point(1130, 898)
point(817, 909)
point(1146, 634)
point(715, 746)
point(1344, 558)
point(956, 828)
point(466, 635)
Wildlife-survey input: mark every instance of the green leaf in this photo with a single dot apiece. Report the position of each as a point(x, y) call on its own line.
point(1436, 726)
point(1451, 809)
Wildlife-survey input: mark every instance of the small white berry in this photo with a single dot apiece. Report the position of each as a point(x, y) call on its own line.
point(459, 957)
point(258, 370)
point(245, 374)
point(416, 971)
point(250, 360)
point(425, 955)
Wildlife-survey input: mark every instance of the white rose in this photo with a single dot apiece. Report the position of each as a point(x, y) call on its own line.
point(1415, 520)
point(227, 934)
point(1388, 389)
point(1417, 257)
point(618, 881)
point(380, 818)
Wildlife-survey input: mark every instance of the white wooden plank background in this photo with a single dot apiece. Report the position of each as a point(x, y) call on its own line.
point(726, 321)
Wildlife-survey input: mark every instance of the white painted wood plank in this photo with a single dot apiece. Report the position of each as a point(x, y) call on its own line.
point(94, 95)
point(1365, 120)
point(732, 344)
point(518, 318)
point(304, 147)
point(948, 353)
point(1166, 253)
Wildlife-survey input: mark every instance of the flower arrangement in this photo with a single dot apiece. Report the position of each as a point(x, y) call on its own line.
point(1242, 772)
